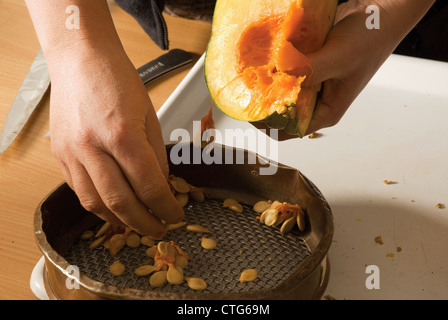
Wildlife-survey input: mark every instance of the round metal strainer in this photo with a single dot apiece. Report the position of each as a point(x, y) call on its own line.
point(289, 265)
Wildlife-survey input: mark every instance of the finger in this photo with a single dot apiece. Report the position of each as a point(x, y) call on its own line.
point(340, 53)
point(139, 163)
point(325, 65)
point(88, 195)
point(331, 106)
point(119, 198)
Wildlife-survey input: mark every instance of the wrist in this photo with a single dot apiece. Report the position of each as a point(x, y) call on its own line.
point(93, 35)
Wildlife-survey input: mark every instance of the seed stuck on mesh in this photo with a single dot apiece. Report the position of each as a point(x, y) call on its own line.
point(270, 217)
point(103, 229)
point(158, 279)
point(198, 228)
point(117, 268)
point(175, 226)
point(248, 275)
point(181, 262)
point(106, 244)
point(97, 242)
point(151, 251)
point(261, 206)
point(87, 234)
point(288, 225)
point(133, 240)
point(117, 242)
point(284, 214)
point(166, 249)
point(208, 243)
point(182, 199)
point(196, 283)
point(144, 270)
point(174, 275)
point(179, 184)
point(147, 241)
point(197, 194)
point(233, 204)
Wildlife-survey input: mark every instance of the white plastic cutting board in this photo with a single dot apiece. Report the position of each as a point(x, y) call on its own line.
point(397, 130)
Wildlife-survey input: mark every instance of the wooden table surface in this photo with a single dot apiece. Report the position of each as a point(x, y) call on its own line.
point(28, 170)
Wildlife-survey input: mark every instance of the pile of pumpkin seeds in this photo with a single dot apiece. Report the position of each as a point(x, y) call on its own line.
point(285, 215)
point(167, 260)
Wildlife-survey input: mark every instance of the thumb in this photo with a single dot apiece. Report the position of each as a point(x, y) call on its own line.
point(325, 65)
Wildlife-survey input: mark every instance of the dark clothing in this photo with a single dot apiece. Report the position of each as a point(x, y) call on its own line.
point(429, 39)
point(148, 14)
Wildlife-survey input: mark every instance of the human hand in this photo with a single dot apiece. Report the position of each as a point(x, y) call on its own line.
point(106, 138)
point(352, 53)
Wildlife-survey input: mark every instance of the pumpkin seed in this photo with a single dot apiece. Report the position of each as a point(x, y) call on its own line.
point(144, 270)
point(175, 225)
point(160, 265)
point(230, 202)
point(275, 204)
point(180, 185)
point(197, 196)
point(106, 244)
point(147, 241)
point(271, 217)
point(117, 268)
point(181, 262)
point(97, 242)
point(87, 235)
point(288, 225)
point(248, 275)
point(236, 207)
point(261, 206)
point(166, 249)
point(103, 229)
point(182, 199)
point(301, 221)
point(263, 216)
point(133, 240)
point(208, 243)
point(158, 279)
point(117, 242)
point(196, 283)
point(233, 204)
point(151, 251)
point(174, 275)
point(198, 228)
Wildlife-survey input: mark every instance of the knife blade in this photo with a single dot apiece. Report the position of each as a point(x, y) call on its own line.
point(31, 91)
point(37, 81)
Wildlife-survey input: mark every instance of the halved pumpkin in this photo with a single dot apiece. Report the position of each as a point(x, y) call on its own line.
point(256, 65)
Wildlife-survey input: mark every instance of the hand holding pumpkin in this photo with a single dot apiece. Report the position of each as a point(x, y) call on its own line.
point(298, 66)
point(353, 53)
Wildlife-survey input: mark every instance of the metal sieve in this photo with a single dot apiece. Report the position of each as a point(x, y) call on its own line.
point(290, 266)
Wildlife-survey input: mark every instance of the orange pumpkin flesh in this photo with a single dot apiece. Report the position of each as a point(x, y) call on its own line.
point(264, 79)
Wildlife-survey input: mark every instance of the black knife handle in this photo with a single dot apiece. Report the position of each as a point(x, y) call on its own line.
point(170, 61)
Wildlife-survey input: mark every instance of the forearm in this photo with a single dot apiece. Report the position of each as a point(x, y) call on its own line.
point(399, 17)
point(96, 32)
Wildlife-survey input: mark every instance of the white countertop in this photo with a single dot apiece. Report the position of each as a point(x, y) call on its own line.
point(396, 130)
